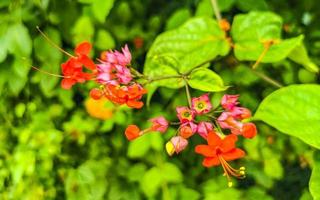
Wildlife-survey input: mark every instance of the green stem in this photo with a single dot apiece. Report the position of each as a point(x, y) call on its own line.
point(150, 80)
point(267, 79)
point(187, 92)
point(216, 9)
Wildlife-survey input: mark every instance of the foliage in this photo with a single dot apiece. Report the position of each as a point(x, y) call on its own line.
point(51, 148)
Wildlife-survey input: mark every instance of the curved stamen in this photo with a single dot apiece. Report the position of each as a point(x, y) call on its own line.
point(54, 44)
point(48, 73)
point(228, 170)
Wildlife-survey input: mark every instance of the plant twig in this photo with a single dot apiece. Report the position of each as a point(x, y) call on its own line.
point(267, 79)
point(216, 9)
point(187, 92)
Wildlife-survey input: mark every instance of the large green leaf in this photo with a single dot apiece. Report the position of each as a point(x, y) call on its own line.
point(193, 44)
point(294, 110)
point(314, 184)
point(206, 80)
point(251, 32)
point(178, 51)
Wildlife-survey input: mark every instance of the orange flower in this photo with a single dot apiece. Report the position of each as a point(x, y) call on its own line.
point(132, 132)
point(219, 151)
point(129, 95)
point(100, 109)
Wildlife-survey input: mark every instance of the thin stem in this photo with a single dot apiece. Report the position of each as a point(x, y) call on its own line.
point(48, 73)
point(267, 79)
point(216, 9)
point(53, 44)
point(262, 55)
point(162, 78)
point(187, 92)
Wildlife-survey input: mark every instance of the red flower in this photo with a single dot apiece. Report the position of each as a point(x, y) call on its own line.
point(129, 95)
point(219, 151)
point(72, 68)
point(132, 132)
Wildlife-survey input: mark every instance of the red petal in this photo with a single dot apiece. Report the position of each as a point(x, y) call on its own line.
point(234, 154)
point(228, 143)
point(214, 139)
point(67, 83)
point(83, 48)
point(135, 104)
point(205, 150)
point(87, 62)
point(211, 161)
point(249, 130)
point(132, 132)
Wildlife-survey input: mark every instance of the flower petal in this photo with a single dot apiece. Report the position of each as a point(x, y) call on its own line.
point(214, 139)
point(228, 143)
point(210, 161)
point(233, 154)
point(205, 150)
point(83, 48)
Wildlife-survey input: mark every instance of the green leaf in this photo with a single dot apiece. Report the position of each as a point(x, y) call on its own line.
point(19, 41)
point(139, 147)
point(206, 80)
point(314, 183)
point(101, 9)
point(300, 56)
point(104, 40)
point(171, 173)
point(151, 181)
point(83, 30)
point(196, 42)
point(294, 110)
point(247, 5)
point(251, 32)
point(178, 18)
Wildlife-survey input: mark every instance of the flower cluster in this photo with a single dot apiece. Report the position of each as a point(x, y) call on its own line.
point(220, 127)
point(221, 132)
point(112, 74)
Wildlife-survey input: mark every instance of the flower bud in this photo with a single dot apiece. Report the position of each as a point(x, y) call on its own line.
point(132, 132)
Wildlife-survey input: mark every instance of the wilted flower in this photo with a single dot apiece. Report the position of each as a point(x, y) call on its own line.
point(187, 129)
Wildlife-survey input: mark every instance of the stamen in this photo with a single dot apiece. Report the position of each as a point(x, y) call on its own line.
point(53, 44)
point(228, 170)
point(48, 73)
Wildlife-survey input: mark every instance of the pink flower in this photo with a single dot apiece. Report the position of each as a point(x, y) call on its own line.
point(176, 145)
point(204, 128)
point(185, 114)
point(123, 74)
point(187, 129)
point(159, 124)
point(240, 113)
point(117, 57)
point(227, 121)
point(201, 105)
point(228, 102)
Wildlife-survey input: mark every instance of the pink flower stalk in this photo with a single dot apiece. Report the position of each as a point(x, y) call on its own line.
point(204, 128)
point(159, 124)
point(185, 114)
point(228, 102)
point(202, 104)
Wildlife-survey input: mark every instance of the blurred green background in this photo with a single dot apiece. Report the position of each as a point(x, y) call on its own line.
point(57, 144)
